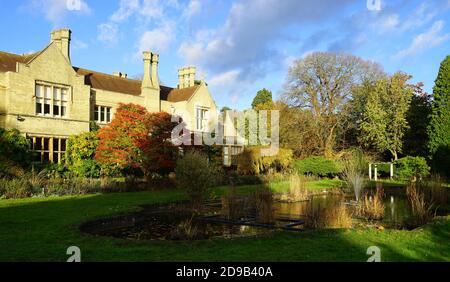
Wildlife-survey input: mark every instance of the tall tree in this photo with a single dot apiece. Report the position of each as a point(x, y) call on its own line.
point(418, 117)
point(322, 83)
point(263, 96)
point(384, 120)
point(439, 128)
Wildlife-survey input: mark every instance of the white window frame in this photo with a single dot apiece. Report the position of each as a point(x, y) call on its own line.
point(104, 114)
point(201, 122)
point(47, 97)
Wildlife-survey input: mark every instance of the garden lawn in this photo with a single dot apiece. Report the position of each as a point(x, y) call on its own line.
point(41, 229)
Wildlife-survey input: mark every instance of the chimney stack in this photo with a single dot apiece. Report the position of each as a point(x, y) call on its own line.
point(147, 80)
point(155, 78)
point(62, 38)
point(192, 76)
point(150, 79)
point(186, 77)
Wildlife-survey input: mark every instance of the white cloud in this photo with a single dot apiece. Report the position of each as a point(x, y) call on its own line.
point(246, 38)
point(228, 78)
point(194, 7)
point(126, 9)
point(108, 32)
point(55, 11)
point(78, 44)
point(156, 40)
point(424, 41)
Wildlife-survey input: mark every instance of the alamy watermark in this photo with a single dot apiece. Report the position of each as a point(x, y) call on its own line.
point(75, 254)
point(375, 254)
point(73, 5)
point(374, 5)
point(231, 128)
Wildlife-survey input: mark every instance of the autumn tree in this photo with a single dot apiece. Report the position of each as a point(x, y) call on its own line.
point(322, 84)
point(158, 152)
point(384, 121)
point(120, 141)
point(439, 128)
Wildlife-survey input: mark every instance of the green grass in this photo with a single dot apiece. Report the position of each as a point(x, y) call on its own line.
point(41, 229)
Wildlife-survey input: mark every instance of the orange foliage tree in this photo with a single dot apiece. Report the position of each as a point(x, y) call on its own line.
point(120, 142)
point(158, 152)
point(138, 140)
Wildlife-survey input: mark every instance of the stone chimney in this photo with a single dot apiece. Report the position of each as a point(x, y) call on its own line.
point(61, 38)
point(186, 77)
point(151, 79)
point(155, 78)
point(147, 80)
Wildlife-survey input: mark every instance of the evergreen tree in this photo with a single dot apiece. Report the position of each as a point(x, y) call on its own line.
point(439, 128)
point(262, 97)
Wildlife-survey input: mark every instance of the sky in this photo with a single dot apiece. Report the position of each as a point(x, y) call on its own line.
point(238, 46)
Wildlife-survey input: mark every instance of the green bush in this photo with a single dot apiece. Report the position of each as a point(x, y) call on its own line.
point(14, 153)
point(79, 157)
point(15, 188)
point(412, 168)
point(251, 161)
point(195, 176)
point(318, 166)
point(383, 169)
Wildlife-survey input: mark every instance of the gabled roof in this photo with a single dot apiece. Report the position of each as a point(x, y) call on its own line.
point(103, 81)
point(177, 95)
point(8, 61)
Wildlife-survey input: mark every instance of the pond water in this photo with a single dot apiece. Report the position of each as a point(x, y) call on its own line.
point(177, 222)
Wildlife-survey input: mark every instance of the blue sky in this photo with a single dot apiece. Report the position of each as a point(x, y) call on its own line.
point(239, 46)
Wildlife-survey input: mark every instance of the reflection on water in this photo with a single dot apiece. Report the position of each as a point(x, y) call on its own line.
point(396, 207)
point(176, 221)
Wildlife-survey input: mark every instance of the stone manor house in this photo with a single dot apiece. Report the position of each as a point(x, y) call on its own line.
point(47, 99)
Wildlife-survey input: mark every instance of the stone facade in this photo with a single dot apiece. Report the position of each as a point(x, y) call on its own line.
point(47, 99)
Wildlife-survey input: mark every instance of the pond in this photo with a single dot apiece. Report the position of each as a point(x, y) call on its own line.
point(176, 221)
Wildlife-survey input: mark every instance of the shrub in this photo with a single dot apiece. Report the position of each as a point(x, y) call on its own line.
point(251, 161)
point(195, 176)
point(15, 188)
point(318, 166)
point(412, 168)
point(383, 169)
point(80, 153)
point(14, 153)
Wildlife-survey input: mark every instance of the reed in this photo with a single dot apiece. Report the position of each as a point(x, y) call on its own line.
point(421, 208)
point(264, 205)
point(372, 206)
point(336, 215)
point(297, 191)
